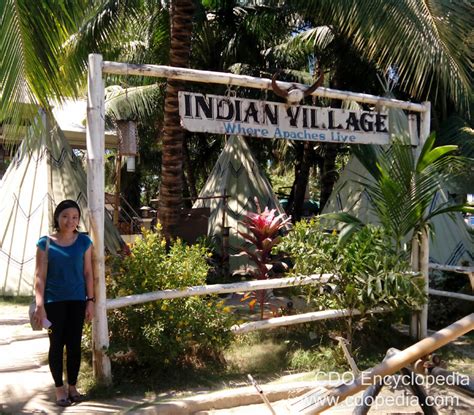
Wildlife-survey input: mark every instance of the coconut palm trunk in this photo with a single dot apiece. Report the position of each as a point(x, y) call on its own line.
point(171, 190)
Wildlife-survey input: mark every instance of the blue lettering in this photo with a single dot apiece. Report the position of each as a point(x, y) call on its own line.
point(231, 128)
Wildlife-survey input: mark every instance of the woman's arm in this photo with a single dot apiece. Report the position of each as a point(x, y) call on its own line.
point(40, 283)
point(89, 277)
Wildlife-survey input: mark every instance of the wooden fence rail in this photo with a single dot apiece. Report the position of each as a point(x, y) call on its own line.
point(301, 318)
point(216, 289)
point(243, 287)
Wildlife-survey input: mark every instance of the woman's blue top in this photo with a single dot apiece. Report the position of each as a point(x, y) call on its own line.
point(65, 277)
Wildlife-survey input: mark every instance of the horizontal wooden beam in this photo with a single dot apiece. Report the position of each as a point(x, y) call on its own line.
point(223, 78)
point(216, 289)
point(300, 318)
point(452, 268)
point(458, 296)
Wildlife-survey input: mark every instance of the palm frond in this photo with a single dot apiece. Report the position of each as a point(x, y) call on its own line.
point(401, 189)
point(428, 41)
point(31, 35)
point(44, 54)
point(301, 45)
point(136, 103)
point(456, 130)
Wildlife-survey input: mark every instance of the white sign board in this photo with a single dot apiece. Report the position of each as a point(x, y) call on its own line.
point(254, 118)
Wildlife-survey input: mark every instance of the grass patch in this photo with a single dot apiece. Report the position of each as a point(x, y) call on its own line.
point(256, 355)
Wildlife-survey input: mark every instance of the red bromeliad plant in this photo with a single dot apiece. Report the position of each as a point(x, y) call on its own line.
point(263, 228)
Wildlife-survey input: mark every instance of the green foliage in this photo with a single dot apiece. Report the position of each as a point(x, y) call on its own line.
point(366, 271)
point(402, 187)
point(167, 333)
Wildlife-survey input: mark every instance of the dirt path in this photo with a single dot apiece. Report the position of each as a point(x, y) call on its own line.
point(25, 380)
point(26, 386)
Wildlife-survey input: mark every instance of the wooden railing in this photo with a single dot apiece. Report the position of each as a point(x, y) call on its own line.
point(263, 285)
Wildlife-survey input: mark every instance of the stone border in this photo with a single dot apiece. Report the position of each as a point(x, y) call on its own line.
point(230, 398)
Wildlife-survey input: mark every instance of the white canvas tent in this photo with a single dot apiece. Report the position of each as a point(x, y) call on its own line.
point(451, 243)
point(43, 172)
point(237, 175)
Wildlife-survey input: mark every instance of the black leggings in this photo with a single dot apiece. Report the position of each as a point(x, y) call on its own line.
point(67, 318)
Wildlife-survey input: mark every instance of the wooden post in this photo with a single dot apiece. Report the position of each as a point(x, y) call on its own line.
point(415, 266)
point(424, 242)
point(424, 261)
point(95, 200)
point(420, 243)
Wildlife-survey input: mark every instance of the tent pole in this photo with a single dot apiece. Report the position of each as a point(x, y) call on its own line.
point(95, 201)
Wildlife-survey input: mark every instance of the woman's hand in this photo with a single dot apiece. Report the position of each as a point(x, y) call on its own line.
point(39, 315)
point(90, 310)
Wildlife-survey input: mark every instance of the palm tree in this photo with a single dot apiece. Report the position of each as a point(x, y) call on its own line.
point(401, 186)
point(171, 190)
point(44, 49)
point(426, 43)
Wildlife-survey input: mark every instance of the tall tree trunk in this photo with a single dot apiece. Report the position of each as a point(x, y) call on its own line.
point(328, 173)
point(188, 169)
point(171, 197)
point(298, 190)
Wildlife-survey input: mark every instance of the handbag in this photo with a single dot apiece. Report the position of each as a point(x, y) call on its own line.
point(31, 310)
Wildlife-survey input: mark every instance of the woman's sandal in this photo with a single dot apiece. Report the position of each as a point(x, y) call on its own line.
point(77, 398)
point(63, 402)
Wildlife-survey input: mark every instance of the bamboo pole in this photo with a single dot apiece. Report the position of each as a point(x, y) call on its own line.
point(413, 130)
point(195, 75)
point(424, 261)
point(424, 257)
point(95, 199)
point(469, 271)
point(415, 266)
point(462, 383)
point(301, 318)
point(216, 289)
point(316, 404)
point(452, 268)
point(448, 294)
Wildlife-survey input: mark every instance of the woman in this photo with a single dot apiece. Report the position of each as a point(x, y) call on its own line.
point(64, 287)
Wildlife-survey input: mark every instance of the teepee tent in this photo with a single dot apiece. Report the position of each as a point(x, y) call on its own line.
point(237, 175)
point(450, 244)
point(43, 172)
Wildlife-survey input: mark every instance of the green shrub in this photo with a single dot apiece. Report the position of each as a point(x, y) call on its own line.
point(166, 333)
point(367, 272)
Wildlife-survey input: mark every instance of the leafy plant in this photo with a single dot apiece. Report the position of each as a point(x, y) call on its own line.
point(366, 271)
point(401, 187)
point(166, 333)
point(263, 230)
